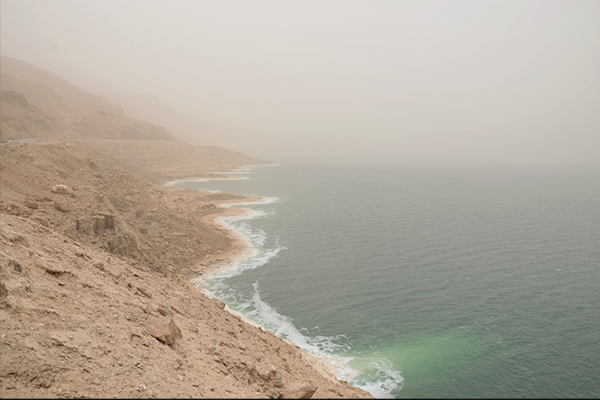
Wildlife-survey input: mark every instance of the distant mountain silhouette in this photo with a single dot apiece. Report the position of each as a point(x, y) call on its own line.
point(149, 107)
point(37, 103)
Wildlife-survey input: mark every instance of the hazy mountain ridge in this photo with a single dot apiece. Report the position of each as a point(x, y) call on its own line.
point(38, 103)
point(192, 129)
point(150, 108)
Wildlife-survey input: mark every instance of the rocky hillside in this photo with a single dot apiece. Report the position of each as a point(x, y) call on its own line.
point(96, 194)
point(95, 294)
point(36, 103)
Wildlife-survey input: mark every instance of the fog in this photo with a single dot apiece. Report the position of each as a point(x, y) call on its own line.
point(433, 82)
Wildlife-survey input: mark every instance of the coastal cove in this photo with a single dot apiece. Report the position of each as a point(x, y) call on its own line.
point(234, 263)
point(299, 199)
point(425, 283)
point(251, 257)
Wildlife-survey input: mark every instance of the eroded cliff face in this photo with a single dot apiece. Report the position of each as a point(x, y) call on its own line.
point(91, 253)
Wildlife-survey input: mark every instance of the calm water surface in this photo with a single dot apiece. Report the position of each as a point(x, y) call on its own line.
point(427, 283)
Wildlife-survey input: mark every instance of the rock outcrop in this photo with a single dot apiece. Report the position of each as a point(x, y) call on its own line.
point(299, 390)
point(96, 224)
point(62, 189)
point(163, 328)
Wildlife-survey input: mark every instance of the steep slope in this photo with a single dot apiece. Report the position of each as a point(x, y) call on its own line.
point(39, 103)
point(111, 204)
point(92, 252)
point(18, 118)
point(74, 324)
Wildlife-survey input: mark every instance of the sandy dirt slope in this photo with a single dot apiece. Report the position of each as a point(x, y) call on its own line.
point(92, 251)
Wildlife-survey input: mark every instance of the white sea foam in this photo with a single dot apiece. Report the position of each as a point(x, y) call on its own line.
point(246, 169)
point(223, 178)
point(255, 308)
point(264, 200)
point(250, 167)
point(282, 326)
point(381, 378)
point(256, 260)
point(323, 347)
point(255, 237)
point(378, 376)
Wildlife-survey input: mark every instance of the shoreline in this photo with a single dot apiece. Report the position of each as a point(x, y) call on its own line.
point(121, 246)
point(221, 176)
point(328, 366)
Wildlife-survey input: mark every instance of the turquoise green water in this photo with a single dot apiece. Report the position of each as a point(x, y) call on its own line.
point(427, 283)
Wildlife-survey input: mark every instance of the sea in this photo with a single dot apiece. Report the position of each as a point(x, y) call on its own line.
point(425, 282)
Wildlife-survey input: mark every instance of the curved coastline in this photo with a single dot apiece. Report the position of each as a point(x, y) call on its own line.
point(330, 367)
point(164, 236)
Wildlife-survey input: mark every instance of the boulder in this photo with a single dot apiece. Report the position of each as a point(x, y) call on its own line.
point(298, 390)
point(163, 328)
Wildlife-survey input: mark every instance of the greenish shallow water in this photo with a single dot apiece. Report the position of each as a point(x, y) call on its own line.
point(427, 283)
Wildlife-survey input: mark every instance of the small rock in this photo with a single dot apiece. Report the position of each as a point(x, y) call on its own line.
point(277, 380)
point(162, 312)
point(163, 328)
point(265, 372)
point(16, 266)
point(32, 204)
point(144, 292)
point(61, 189)
point(60, 206)
point(298, 390)
point(40, 221)
point(220, 304)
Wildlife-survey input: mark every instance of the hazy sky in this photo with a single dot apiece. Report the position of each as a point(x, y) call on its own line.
point(457, 81)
